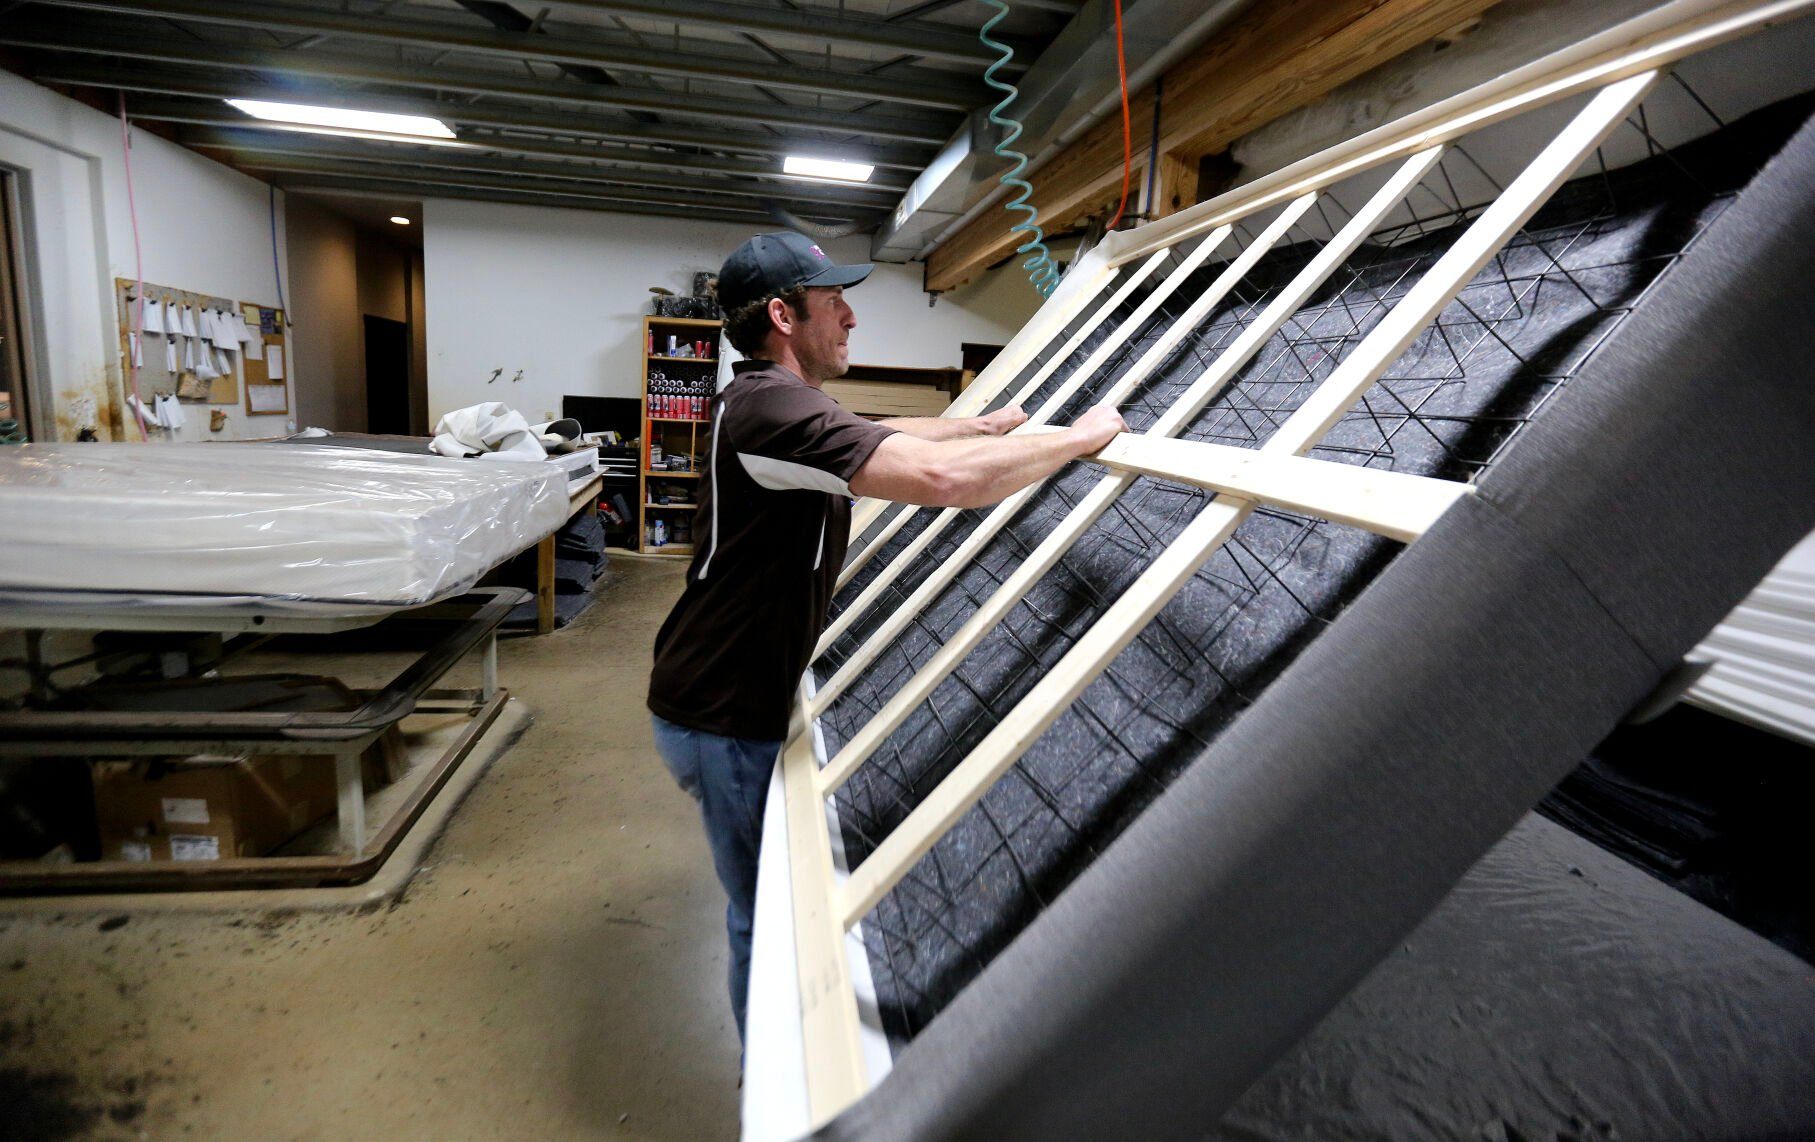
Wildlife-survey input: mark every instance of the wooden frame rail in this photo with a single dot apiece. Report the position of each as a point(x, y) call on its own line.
point(1620, 67)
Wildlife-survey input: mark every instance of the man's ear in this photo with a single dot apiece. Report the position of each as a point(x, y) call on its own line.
point(781, 318)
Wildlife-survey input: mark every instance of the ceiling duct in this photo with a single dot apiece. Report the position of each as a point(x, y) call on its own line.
point(1070, 87)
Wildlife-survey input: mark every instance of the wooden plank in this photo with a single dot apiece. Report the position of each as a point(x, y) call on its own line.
point(1175, 183)
point(999, 516)
point(1089, 326)
point(1131, 612)
point(1097, 359)
point(1392, 504)
point(828, 1006)
point(1228, 363)
point(1643, 43)
point(1273, 58)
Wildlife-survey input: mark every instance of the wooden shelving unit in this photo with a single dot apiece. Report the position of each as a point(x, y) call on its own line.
point(677, 435)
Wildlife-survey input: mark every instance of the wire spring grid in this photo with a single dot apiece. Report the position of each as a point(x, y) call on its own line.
point(1447, 407)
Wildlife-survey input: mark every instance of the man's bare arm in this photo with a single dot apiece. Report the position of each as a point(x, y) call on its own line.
point(998, 423)
point(977, 471)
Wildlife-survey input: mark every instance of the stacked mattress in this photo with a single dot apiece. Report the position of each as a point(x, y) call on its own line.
point(254, 528)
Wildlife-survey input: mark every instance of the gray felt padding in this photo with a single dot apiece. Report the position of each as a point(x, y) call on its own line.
point(1335, 814)
point(1555, 993)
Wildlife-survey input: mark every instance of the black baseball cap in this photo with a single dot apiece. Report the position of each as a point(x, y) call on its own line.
point(775, 263)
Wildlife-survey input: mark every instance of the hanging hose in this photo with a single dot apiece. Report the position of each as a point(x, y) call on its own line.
point(811, 229)
point(1042, 271)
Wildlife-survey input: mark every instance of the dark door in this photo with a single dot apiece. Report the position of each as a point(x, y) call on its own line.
point(387, 376)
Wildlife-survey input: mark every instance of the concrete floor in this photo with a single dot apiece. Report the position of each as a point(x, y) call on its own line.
point(556, 971)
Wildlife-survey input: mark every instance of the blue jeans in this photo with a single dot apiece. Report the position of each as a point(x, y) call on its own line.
point(729, 777)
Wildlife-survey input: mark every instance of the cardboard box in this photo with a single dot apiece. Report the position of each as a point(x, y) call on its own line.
point(209, 809)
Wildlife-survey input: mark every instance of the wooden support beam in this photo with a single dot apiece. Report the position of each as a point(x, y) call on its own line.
point(1276, 57)
point(1392, 504)
point(1175, 182)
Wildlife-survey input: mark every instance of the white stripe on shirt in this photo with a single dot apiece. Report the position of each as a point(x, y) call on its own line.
point(785, 475)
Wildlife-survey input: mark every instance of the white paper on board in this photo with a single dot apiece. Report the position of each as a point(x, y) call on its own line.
point(274, 362)
point(265, 398)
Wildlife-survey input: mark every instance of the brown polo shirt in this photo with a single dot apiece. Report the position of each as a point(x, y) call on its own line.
point(770, 538)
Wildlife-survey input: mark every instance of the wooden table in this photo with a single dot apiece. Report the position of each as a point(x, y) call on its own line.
point(586, 497)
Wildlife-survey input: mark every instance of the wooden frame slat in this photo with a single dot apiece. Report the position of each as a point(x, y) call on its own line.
point(1130, 613)
point(1393, 504)
point(1099, 357)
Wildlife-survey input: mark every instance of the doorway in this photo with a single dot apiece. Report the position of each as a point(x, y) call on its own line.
point(15, 380)
point(387, 376)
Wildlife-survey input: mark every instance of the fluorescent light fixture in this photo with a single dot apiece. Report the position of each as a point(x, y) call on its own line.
point(345, 133)
point(345, 119)
point(400, 220)
point(826, 168)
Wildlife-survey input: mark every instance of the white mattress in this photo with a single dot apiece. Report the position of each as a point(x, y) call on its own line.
point(257, 528)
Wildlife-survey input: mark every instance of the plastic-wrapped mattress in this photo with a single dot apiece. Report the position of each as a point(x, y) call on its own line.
point(256, 528)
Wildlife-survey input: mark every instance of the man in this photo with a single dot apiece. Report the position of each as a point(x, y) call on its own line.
point(784, 459)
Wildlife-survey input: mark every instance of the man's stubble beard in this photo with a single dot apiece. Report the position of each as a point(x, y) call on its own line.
point(820, 371)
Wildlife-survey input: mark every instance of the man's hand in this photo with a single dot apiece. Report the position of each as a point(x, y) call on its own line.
point(1003, 421)
point(1099, 426)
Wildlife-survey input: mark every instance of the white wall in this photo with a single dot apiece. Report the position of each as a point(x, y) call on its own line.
point(202, 227)
point(561, 294)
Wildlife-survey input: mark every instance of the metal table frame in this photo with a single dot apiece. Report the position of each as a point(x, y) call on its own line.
point(343, 735)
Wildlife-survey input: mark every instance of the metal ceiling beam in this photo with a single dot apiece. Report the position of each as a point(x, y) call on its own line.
point(385, 190)
point(680, 198)
point(232, 134)
point(288, 151)
point(955, 94)
point(822, 25)
point(502, 15)
point(321, 65)
point(174, 81)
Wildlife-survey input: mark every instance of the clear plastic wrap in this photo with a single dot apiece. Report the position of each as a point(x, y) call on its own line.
point(257, 528)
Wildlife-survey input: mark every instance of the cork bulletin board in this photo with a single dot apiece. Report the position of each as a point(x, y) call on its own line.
point(267, 379)
point(154, 376)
